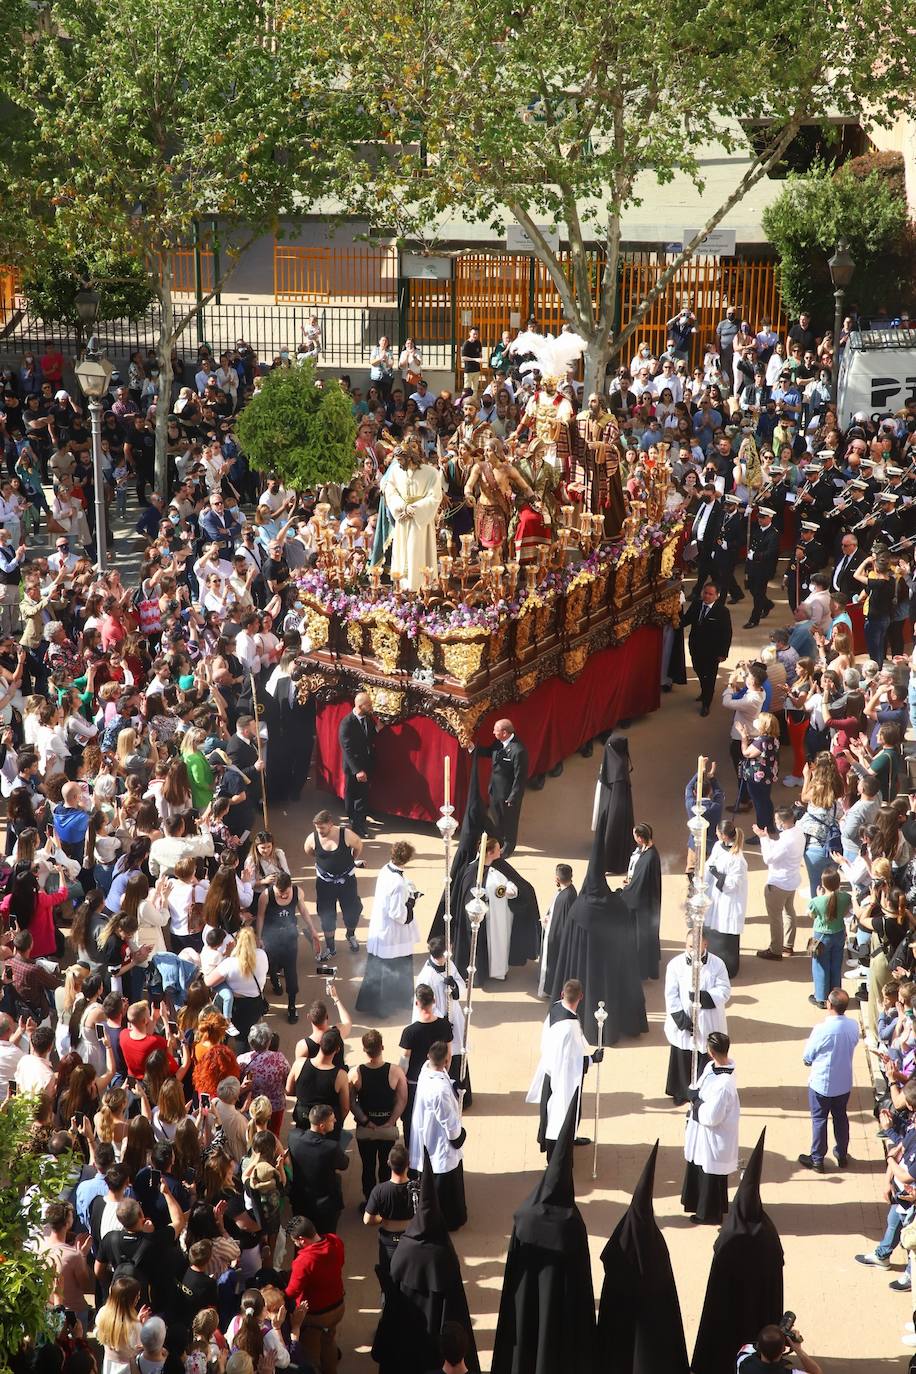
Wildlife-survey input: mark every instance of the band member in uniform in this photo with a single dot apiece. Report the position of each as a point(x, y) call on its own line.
point(809, 557)
point(762, 560)
point(728, 548)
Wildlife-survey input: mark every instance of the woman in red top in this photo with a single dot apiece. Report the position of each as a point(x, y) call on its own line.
point(213, 1059)
point(111, 628)
point(28, 908)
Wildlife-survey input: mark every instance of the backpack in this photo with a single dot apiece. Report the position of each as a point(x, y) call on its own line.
point(130, 1268)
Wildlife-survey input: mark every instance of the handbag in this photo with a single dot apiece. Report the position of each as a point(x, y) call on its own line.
point(263, 1004)
point(814, 947)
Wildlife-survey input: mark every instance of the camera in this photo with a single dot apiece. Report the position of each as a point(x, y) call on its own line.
point(787, 1327)
point(326, 970)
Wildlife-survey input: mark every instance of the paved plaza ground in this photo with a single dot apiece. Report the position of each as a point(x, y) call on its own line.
point(849, 1318)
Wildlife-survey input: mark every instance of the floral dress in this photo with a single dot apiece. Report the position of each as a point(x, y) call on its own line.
point(765, 767)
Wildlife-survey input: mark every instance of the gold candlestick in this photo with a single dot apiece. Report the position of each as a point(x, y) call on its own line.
point(446, 563)
point(543, 553)
point(568, 515)
point(322, 511)
point(531, 577)
point(375, 579)
point(467, 543)
point(513, 570)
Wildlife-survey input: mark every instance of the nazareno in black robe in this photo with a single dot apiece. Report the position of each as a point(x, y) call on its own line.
point(615, 805)
point(640, 1329)
point(547, 1307)
point(475, 821)
point(744, 1291)
point(599, 947)
point(643, 896)
point(423, 1291)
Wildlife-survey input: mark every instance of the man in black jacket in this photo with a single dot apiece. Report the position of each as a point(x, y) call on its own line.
point(707, 525)
point(842, 578)
point(762, 560)
point(318, 1161)
point(357, 741)
point(709, 640)
point(507, 781)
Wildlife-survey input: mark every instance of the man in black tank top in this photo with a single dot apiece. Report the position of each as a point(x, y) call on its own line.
point(416, 1039)
point(335, 879)
point(389, 1206)
point(278, 932)
point(378, 1098)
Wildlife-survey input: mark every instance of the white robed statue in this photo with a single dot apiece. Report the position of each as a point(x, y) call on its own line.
point(413, 494)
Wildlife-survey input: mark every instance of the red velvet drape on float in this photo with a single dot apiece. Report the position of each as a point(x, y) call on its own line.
point(554, 721)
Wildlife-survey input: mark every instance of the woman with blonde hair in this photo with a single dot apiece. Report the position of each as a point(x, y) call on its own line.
point(822, 789)
point(727, 884)
point(111, 1122)
point(259, 1117)
point(244, 971)
point(117, 1327)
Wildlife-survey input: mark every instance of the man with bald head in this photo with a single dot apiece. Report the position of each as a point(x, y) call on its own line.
point(507, 781)
point(357, 741)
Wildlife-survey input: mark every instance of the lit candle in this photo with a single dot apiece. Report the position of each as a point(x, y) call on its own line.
point(481, 858)
point(700, 762)
point(448, 769)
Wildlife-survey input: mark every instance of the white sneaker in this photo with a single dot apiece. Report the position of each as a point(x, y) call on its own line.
point(874, 1259)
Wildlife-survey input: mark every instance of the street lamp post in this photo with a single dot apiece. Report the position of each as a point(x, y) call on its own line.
point(94, 375)
point(842, 268)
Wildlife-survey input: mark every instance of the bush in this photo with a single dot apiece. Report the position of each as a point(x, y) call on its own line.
point(817, 209)
point(125, 290)
point(27, 1183)
point(299, 429)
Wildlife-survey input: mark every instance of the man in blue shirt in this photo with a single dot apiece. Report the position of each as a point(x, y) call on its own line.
point(800, 637)
point(829, 1052)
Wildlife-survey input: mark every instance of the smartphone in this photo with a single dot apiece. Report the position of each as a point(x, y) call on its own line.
point(155, 1178)
point(100, 1031)
point(8, 973)
point(130, 1084)
point(12, 1088)
point(173, 1028)
point(205, 1099)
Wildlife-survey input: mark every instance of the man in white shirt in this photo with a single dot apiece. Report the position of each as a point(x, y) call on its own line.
point(11, 1050)
point(436, 1128)
point(422, 398)
point(34, 1074)
point(276, 497)
point(818, 601)
point(64, 559)
point(667, 377)
point(246, 643)
point(783, 858)
point(210, 562)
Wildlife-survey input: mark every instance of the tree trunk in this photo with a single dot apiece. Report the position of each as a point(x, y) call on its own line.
point(164, 405)
point(595, 361)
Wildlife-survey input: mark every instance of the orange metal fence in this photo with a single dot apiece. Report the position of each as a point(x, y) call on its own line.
point(10, 285)
point(707, 286)
point(317, 275)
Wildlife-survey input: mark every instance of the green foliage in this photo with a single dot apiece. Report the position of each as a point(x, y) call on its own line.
point(821, 207)
point(26, 1280)
point(125, 290)
point(304, 432)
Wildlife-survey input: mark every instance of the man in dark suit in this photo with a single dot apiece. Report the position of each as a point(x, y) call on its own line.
point(842, 578)
point(217, 526)
point(709, 640)
point(507, 781)
point(707, 525)
point(357, 741)
point(728, 549)
point(762, 560)
point(317, 1162)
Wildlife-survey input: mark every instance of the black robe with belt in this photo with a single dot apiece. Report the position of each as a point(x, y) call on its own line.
point(643, 896)
point(744, 1291)
point(422, 1292)
point(526, 921)
point(546, 1317)
point(615, 806)
point(599, 947)
point(640, 1329)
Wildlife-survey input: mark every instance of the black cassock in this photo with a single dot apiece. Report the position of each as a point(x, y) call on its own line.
point(547, 1307)
point(475, 821)
point(561, 909)
point(599, 947)
point(614, 822)
point(524, 941)
point(744, 1289)
point(640, 1329)
point(643, 896)
point(423, 1291)
point(290, 735)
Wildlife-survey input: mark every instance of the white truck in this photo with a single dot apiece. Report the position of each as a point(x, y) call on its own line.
point(877, 373)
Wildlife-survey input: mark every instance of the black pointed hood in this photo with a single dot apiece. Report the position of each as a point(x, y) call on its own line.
point(596, 902)
point(746, 1215)
point(639, 1320)
point(474, 822)
point(425, 1259)
point(549, 1218)
point(615, 763)
point(744, 1291)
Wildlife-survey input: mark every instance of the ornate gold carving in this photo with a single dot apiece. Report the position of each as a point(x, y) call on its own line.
point(640, 569)
point(355, 636)
point(318, 628)
point(669, 552)
point(462, 660)
point(523, 631)
point(622, 579)
point(387, 703)
point(308, 685)
point(544, 619)
point(426, 651)
point(574, 661)
point(526, 684)
point(574, 610)
point(623, 629)
point(462, 723)
point(498, 642)
point(386, 646)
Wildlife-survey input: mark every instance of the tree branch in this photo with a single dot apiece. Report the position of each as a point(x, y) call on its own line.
point(754, 173)
point(545, 255)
